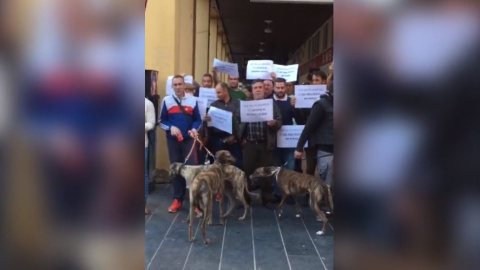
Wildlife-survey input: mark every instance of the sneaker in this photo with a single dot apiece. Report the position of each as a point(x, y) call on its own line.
point(219, 197)
point(176, 205)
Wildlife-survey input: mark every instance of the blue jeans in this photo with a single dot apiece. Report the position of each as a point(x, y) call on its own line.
point(177, 152)
point(280, 157)
point(146, 173)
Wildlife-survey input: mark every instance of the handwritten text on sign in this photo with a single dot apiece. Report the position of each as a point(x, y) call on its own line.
point(256, 110)
point(289, 73)
point(209, 93)
point(226, 67)
point(307, 94)
point(287, 136)
point(221, 119)
point(259, 69)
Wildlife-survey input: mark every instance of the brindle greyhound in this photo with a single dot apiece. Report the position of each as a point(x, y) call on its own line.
point(294, 183)
point(204, 186)
point(240, 186)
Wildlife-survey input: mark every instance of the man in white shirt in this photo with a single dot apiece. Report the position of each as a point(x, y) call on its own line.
point(149, 125)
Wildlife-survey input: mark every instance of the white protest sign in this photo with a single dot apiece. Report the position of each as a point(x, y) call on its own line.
point(289, 73)
point(221, 119)
point(256, 110)
point(209, 93)
point(306, 95)
point(168, 87)
point(287, 136)
point(202, 106)
point(259, 69)
point(188, 79)
point(226, 67)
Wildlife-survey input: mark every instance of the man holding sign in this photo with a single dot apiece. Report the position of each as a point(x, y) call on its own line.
point(260, 138)
point(222, 140)
point(235, 91)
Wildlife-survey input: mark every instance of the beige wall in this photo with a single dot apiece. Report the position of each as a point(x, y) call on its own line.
point(180, 37)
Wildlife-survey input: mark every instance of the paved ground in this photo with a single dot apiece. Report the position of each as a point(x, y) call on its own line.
point(262, 241)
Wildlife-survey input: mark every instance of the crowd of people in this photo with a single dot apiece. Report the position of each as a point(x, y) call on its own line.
point(254, 144)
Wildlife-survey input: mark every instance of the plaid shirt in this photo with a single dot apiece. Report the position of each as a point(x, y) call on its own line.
point(257, 131)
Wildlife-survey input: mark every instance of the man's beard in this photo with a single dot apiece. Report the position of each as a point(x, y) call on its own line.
point(280, 95)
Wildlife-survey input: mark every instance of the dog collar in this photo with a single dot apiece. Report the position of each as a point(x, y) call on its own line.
point(277, 171)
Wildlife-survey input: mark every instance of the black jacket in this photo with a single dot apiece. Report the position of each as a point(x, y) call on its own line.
point(319, 127)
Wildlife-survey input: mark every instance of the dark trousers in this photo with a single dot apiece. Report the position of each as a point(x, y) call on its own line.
point(177, 152)
point(216, 142)
point(311, 159)
point(256, 156)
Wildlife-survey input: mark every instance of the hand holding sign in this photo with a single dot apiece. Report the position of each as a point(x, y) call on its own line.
point(256, 110)
point(226, 67)
point(259, 69)
point(271, 123)
point(289, 73)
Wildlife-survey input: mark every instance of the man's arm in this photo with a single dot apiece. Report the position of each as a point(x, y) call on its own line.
point(277, 116)
point(150, 117)
point(215, 76)
point(164, 123)
point(310, 126)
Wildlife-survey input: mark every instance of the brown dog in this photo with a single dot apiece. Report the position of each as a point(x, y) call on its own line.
point(205, 185)
point(240, 187)
point(294, 183)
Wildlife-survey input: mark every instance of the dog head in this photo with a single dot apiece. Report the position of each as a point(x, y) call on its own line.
point(263, 172)
point(224, 157)
point(176, 169)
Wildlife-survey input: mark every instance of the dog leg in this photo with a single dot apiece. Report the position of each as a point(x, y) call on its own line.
point(319, 213)
point(220, 207)
point(324, 221)
point(297, 206)
point(280, 206)
point(245, 207)
point(231, 204)
point(190, 229)
point(205, 220)
point(210, 210)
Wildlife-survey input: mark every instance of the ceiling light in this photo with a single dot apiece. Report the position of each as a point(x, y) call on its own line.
point(268, 30)
point(261, 50)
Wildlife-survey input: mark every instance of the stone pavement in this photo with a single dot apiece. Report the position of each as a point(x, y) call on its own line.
point(261, 242)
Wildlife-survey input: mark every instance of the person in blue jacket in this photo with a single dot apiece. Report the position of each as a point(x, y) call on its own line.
point(180, 118)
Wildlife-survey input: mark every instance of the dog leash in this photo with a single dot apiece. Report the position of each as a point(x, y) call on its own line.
point(190, 153)
point(206, 149)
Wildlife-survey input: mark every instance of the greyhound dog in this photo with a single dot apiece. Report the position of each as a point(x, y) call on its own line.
point(204, 186)
point(294, 183)
point(239, 182)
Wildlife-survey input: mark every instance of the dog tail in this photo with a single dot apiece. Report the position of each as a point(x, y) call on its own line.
point(247, 194)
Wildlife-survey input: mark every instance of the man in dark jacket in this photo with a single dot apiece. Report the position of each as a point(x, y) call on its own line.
point(221, 140)
point(260, 138)
point(318, 77)
point(320, 128)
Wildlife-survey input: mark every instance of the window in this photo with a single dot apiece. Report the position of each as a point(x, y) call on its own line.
point(325, 36)
point(314, 45)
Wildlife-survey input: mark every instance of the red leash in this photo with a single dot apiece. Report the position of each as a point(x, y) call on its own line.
point(191, 151)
